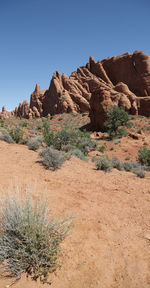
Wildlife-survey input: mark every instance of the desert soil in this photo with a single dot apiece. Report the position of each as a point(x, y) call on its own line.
point(109, 245)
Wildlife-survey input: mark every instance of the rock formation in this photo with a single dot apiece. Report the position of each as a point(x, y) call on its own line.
point(5, 114)
point(130, 78)
point(122, 80)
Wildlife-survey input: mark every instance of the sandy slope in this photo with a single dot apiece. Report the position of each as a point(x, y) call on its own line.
point(108, 246)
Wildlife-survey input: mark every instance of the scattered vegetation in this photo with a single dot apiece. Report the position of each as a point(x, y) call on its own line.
point(73, 138)
point(29, 240)
point(75, 141)
point(107, 165)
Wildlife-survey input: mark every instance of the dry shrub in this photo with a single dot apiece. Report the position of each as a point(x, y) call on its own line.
point(29, 240)
point(51, 158)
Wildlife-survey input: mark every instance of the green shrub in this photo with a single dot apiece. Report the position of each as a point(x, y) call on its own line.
point(29, 240)
point(51, 158)
point(101, 148)
point(49, 138)
point(78, 153)
point(48, 135)
point(16, 134)
point(122, 132)
point(5, 136)
point(103, 164)
point(63, 138)
point(116, 117)
point(144, 156)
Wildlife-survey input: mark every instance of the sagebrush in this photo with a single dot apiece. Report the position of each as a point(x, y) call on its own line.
point(51, 158)
point(29, 239)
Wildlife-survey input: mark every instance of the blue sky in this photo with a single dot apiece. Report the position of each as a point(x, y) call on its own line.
point(38, 37)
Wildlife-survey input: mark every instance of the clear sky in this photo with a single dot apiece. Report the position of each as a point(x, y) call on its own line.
point(38, 37)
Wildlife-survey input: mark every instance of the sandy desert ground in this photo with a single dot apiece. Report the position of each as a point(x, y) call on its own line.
point(109, 245)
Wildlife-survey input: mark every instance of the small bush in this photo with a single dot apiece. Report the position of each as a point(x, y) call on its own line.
point(103, 164)
point(29, 241)
point(65, 137)
point(122, 132)
point(144, 156)
point(139, 172)
point(62, 138)
point(24, 141)
point(86, 145)
point(129, 166)
point(78, 153)
point(116, 117)
point(5, 136)
point(101, 148)
point(34, 144)
point(51, 158)
point(117, 164)
point(16, 134)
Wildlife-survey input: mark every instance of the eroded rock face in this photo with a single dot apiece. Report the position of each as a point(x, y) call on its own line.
point(102, 99)
point(23, 109)
point(131, 69)
point(5, 114)
point(130, 78)
point(122, 80)
point(36, 99)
